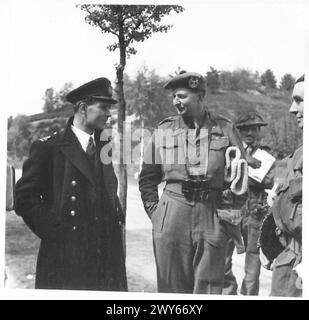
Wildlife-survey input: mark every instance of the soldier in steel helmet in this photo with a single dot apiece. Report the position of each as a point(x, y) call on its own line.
point(254, 210)
point(188, 237)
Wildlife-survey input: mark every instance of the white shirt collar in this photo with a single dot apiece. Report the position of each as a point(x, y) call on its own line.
point(82, 137)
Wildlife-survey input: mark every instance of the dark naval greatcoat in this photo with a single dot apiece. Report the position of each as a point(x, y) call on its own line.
point(76, 214)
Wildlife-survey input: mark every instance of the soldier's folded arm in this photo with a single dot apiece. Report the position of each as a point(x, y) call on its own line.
point(34, 194)
point(149, 179)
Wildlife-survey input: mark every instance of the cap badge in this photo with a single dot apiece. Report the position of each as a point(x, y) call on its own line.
point(193, 82)
point(110, 90)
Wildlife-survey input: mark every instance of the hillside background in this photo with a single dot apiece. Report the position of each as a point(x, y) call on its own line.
point(229, 93)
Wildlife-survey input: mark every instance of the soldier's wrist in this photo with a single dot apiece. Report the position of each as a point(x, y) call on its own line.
point(150, 208)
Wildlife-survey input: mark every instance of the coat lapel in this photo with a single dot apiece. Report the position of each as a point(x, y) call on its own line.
point(109, 177)
point(72, 149)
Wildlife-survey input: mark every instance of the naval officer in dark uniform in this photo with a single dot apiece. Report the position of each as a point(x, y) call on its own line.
point(68, 198)
point(189, 240)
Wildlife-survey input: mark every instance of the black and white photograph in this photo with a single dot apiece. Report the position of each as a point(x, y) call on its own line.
point(154, 148)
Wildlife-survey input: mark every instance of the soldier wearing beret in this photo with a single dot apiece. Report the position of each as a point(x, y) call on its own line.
point(68, 198)
point(189, 239)
point(287, 216)
point(254, 210)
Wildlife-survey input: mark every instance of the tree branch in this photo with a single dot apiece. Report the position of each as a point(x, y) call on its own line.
point(139, 22)
point(99, 24)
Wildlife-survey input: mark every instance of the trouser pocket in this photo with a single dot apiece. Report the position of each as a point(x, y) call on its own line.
point(158, 216)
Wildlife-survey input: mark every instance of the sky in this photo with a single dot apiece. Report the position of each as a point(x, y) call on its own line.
point(49, 43)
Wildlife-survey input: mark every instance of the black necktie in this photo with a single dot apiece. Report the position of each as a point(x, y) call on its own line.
point(249, 150)
point(91, 149)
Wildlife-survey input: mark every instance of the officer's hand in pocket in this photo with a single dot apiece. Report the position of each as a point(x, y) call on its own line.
point(151, 210)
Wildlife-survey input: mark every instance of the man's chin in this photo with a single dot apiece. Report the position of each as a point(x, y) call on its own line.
point(300, 123)
point(182, 111)
point(100, 126)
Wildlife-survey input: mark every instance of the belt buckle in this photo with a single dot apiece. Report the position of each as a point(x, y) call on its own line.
point(204, 195)
point(196, 194)
point(185, 189)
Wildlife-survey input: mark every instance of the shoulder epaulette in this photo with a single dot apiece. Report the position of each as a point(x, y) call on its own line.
point(216, 116)
point(169, 119)
point(49, 137)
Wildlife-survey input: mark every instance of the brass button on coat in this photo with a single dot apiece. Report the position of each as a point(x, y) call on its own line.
point(72, 213)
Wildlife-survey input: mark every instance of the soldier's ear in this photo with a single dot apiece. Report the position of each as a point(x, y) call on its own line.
point(81, 107)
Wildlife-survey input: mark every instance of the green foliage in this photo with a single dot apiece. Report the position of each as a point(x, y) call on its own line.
point(287, 82)
point(150, 103)
point(56, 100)
point(239, 79)
point(147, 99)
point(176, 72)
point(268, 79)
point(49, 100)
point(213, 80)
point(19, 136)
point(282, 134)
point(129, 23)
point(23, 130)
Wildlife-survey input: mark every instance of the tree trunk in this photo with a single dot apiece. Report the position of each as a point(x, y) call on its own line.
point(123, 183)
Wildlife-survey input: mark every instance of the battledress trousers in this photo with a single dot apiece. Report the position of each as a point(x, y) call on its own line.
point(189, 240)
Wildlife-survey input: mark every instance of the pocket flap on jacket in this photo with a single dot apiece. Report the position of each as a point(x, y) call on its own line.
point(231, 216)
point(219, 143)
point(285, 258)
point(282, 188)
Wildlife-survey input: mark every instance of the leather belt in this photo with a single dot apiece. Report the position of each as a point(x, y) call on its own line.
point(193, 190)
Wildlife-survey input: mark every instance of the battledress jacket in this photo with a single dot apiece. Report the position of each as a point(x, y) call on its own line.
point(221, 135)
point(287, 210)
point(81, 241)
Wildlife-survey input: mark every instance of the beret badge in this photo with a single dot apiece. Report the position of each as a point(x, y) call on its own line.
point(193, 82)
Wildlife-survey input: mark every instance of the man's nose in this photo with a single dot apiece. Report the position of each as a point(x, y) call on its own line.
point(293, 108)
point(176, 101)
point(107, 113)
point(250, 131)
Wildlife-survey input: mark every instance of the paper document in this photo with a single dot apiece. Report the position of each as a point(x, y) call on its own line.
point(267, 161)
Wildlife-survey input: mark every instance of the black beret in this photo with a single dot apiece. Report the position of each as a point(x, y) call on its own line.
point(190, 80)
point(99, 89)
point(300, 79)
point(250, 118)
